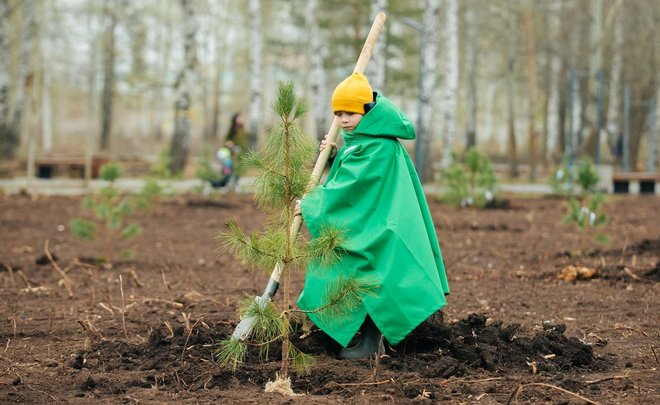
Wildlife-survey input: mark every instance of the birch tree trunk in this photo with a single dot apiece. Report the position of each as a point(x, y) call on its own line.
point(531, 68)
point(552, 144)
point(5, 78)
point(10, 125)
point(489, 110)
point(428, 73)
point(574, 114)
point(317, 74)
point(107, 93)
point(93, 100)
point(256, 45)
point(471, 26)
point(204, 100)
point(616, 72)
point(575, 122)
point(552, 124)
point(511, 52)
point(595, 66)
point(214, 122)
point(35, 66)
point(654, 121)
point(46, 106)
point(654, 138)
point(450, 89)
point(165, 46)
point(376, 67)
point(582, 52)
point(180, 145)
point(24, 76)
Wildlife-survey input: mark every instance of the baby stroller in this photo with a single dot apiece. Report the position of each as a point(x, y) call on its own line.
point(225, 165)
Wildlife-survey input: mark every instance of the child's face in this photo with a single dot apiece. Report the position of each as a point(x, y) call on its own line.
point(348, 120)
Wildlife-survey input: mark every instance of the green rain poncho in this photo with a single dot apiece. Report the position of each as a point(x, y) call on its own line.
point(373, 193)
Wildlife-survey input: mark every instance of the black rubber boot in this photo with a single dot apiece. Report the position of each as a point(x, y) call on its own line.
point(369, 343)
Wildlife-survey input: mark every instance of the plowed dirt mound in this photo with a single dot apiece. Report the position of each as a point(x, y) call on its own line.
point(435, 349)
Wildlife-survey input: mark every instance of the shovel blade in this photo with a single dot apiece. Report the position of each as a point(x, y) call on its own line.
point(245, 326)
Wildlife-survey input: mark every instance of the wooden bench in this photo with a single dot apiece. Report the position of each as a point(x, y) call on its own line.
point(636, 182)
point(47, 167)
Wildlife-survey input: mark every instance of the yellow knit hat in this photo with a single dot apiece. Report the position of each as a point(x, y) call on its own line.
point(352, 94)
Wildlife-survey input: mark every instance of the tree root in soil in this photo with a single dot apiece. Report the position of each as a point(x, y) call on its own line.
point(281, 386)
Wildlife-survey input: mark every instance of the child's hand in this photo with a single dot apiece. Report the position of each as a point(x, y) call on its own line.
point(296, 210)
point(325, 144)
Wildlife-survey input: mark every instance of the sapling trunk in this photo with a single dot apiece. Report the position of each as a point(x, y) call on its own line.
point(287, 255)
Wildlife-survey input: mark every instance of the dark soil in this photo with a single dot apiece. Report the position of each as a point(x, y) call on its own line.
point(510, 321)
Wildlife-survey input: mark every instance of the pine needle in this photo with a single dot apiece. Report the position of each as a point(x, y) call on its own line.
point(343, 296)
point(325, 248)
point(301, 362)
point(231, 352)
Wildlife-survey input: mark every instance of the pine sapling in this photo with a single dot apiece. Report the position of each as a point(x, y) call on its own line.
point(588, 216)
point(587, 177)
point(471, 183)
point(153, 190)
point(282, 169)
point(565, 178)
point(585, 211)
point(110, 209)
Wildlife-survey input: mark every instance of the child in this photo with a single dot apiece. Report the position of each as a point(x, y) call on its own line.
point(373, 193)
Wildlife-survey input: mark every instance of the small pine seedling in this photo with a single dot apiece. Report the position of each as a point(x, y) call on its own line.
point(565, 178)
point(588, 216)
point(110, 209)
point(472, 183)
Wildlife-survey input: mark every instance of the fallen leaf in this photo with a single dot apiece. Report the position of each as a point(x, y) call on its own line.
point(572, 273)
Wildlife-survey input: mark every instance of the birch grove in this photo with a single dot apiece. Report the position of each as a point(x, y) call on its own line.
point(112, 72)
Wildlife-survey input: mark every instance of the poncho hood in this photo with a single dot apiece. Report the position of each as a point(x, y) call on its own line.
point(384, 120)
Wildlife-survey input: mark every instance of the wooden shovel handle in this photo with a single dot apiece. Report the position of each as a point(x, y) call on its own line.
point(322, 160)
point(361, 64)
